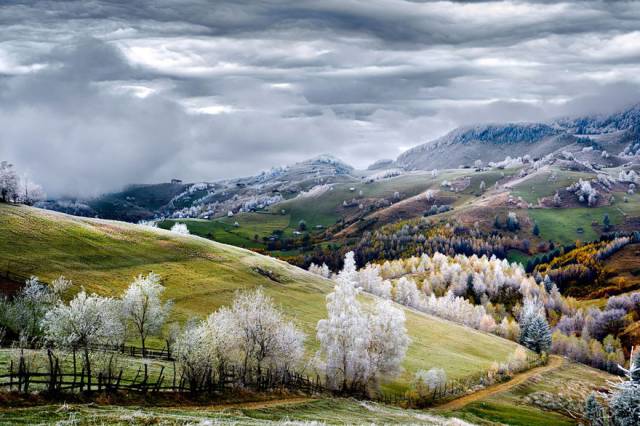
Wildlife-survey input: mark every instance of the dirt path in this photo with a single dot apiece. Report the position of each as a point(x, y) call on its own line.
point(456, 404)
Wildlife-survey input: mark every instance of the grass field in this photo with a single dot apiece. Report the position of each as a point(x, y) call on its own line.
point(295, 411)
point(540, 185)
point(224, 230)
point(201, 275)
point(561, 225)
point(543, 400)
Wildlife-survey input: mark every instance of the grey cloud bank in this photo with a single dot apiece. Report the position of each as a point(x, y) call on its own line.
point(98, 94)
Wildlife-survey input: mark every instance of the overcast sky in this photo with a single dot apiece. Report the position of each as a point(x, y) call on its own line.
point(98, 94)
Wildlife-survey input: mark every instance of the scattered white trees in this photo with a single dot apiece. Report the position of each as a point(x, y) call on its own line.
point(180, 228)
point(406, 292)
point(371, 281)
point(323, 270)
point(585, 192)
point(142, 308)
point(359, 348)
point(13, 189)
point(30, 192)
point(251, 336)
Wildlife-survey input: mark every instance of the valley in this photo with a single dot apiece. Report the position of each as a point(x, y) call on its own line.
point(464, 254)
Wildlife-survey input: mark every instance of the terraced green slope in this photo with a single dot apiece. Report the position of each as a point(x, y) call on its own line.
point(201, 275)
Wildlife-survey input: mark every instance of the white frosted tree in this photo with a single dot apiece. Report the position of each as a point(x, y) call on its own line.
point(425, 383)
point(371, 281)
point(30, 192)
point(142, 308)
point(323, 270)
point(86, 321)
point(27, 309)
point(180, 228)
point(193, 354)
point(625, 400)
point(535, 332)
point(389, 340)
point(406, 292)
point(344, 338)
point(349, 272)
point(8, 182)
point(359, 348)
point(265, 337)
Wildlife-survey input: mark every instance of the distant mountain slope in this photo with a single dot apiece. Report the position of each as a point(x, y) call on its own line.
point(209, 199)
point(615, 133)
point(463, 146)
point(201, 275)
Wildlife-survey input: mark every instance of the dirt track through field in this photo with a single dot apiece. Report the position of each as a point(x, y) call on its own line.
point(554, 363)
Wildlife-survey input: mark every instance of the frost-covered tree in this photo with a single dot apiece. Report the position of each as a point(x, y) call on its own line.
point(142, 308)
point(406, 292)
point(323, 270)
point(389, 340)
point(624, 402)
point(371, 281)
point(344, 337)
point(192, 353)
point(30, 192)
point(8, 182)
point(359, 348)
point(86, 321)
point(180, 228)
point(265, 337)
point(593, 411)
point(535, 332)
point(23, 315)
point(425, 383)
point(557, 201)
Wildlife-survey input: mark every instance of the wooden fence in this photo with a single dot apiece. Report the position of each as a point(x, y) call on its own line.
point(131, 351)
point(56, 381)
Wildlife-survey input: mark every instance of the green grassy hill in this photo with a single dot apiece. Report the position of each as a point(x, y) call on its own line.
point(201, 275)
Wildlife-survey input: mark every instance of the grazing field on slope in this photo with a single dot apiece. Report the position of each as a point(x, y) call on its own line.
point(201, 275)
point(549, 398)
point(224, 230)
point(286, 411)
point(542, 184)
point(565, 226)
point(326, 208)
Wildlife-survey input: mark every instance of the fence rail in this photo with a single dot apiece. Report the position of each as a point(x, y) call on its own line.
point(131, 351)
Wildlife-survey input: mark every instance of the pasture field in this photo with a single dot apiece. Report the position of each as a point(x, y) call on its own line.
point(223, 230)
point(293, 410)
point(554, 397)
point(563, 225)
point(542, 184)
point(201, 275)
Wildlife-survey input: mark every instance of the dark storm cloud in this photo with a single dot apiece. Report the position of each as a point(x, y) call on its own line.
point(98, 94)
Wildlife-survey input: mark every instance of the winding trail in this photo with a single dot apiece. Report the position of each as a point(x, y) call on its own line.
point(554, 363)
